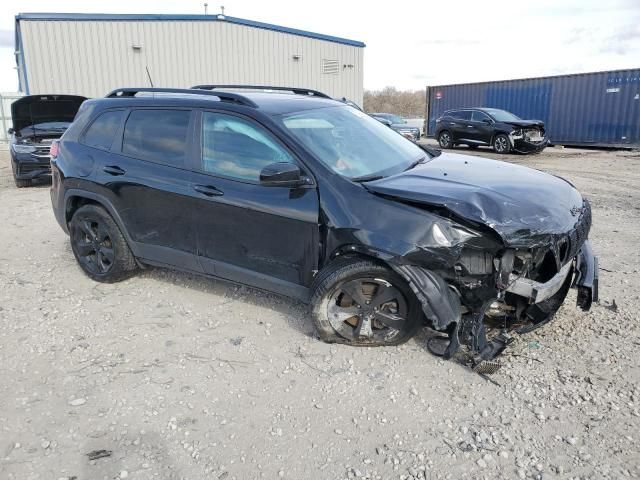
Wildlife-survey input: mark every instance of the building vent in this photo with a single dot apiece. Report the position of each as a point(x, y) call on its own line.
point(330, 67)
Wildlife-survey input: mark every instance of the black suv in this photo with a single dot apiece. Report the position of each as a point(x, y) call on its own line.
point(38, 120)
point(293, 192)
point(502, 130)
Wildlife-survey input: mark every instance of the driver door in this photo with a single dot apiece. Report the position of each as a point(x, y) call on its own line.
point(263, 236)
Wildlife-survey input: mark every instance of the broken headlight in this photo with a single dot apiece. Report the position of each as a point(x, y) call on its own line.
point(446, 234)
point(517, 133)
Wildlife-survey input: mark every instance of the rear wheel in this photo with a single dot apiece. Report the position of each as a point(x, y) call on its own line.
point(363, 303)
point(445, 140)
point(99, 246)
point(501, 144)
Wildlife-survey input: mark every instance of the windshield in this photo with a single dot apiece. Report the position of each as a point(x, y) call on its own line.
point(352, 143)
point(501, 115)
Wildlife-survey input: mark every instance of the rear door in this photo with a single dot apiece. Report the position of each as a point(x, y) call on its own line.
point(257, 235)
point(147, 179)
point(458, 123)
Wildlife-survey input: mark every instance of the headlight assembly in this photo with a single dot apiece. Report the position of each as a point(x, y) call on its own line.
point(23, 148)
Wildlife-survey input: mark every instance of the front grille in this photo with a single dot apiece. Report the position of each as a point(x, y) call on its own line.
point(533, 133)
point(42, 152)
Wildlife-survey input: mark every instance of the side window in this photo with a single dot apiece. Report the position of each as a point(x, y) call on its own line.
point(463, 115)
point(236, 148)
point(103, 130)
point(479, 116)
point(157, 136)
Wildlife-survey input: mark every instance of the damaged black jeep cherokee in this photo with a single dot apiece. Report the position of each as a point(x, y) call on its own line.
point(290, 191)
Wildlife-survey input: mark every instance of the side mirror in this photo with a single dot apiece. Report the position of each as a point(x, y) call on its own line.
point(281, 174)
point(487, 121)
point(11, 131)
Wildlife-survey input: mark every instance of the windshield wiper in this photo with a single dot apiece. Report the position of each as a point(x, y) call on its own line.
point(415, 163)
point(367, 178)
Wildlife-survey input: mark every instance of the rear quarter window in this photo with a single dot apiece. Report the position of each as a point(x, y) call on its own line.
point(103, 130)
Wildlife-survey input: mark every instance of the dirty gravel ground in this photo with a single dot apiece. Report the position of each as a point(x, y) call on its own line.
point(187, 377)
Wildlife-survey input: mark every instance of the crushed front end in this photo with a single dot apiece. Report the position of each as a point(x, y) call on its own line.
point(492, 293)
point(528, 139)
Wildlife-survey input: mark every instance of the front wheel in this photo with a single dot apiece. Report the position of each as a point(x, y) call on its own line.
point(501, 144)
point(445, 140)
point(362, 303)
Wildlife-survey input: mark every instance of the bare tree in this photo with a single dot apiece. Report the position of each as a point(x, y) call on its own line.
point(407, 103)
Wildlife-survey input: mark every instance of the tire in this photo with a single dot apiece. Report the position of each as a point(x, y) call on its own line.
point(20, 183)
point(377, 295)
point(445, 140)
point(99, 246)
point(501, 144)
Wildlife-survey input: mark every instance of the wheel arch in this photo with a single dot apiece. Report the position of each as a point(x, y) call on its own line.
point(74, 199)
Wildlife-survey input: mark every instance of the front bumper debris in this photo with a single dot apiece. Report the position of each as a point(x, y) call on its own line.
point(470, 329)
point(586, 278)
point(538, 292)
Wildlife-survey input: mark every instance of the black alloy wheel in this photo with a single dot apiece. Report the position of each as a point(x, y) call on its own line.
point(363, 303)
point(99, 246)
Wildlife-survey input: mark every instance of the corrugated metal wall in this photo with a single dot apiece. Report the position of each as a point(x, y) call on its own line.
point(600, 108)
point(92, 57)
point(6, 99)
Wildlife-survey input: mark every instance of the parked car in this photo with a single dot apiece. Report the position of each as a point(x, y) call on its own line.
point(37, 121)
point(502, 130)
point(398, 124)
point(304, 196)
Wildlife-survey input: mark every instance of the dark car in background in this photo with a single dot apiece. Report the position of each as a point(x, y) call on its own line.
point(399, 124)
point(302, 195)
point(38, 120)
point(502, 130)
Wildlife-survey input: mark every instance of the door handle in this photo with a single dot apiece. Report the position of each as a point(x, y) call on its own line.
point(469, 126)
point(208, 190)
point(113, 170)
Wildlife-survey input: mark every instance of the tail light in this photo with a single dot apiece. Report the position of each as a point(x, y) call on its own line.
point(55, 147)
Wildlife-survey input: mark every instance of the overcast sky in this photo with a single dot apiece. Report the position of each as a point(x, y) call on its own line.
point(411, 44)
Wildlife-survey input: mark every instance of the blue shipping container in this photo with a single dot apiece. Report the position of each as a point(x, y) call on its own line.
point(596, 109)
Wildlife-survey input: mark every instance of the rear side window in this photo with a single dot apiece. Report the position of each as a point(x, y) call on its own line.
point(103, 130)
point(157, 135)
point(462, 114)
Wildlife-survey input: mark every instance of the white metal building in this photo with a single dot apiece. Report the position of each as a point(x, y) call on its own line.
point(92, 54)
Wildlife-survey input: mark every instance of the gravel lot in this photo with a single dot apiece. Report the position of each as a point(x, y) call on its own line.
point(181, 376)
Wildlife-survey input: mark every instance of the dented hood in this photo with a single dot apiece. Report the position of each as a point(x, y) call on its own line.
point(526, 123)
point(524, 206)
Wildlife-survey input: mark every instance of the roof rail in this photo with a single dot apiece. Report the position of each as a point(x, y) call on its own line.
point(296, 90)
point(223, 96)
